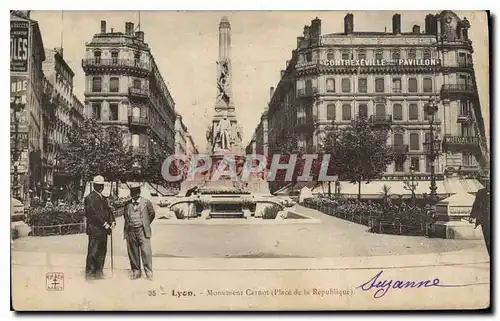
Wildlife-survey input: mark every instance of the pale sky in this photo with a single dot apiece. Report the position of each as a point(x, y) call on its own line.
point(185, 48)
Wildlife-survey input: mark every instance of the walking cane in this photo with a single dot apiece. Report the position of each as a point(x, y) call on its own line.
point(111, 236)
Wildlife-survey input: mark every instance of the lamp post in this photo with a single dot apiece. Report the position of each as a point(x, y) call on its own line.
point(432, 146)
point(17, 107)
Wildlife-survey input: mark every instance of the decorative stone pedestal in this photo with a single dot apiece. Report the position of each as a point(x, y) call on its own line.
point(452, 218)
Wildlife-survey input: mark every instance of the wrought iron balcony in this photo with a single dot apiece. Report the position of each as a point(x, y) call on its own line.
point(139, 92)
point(131, 63)
point(454, 89)
point(381, 120)
point(138, 120)
point(139, 150)
point(461, 142)
point(400, 149)
point(307, 92)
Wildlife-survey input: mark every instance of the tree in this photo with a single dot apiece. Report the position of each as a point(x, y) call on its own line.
point(362, 153)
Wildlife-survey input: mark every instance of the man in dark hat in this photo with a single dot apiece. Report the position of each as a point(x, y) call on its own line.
point(481, 212)
point(137, 232)
point(100, 221)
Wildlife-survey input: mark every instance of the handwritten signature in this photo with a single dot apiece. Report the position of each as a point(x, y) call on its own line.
point(383, 286)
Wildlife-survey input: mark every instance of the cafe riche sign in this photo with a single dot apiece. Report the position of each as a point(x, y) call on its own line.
point(381, 62)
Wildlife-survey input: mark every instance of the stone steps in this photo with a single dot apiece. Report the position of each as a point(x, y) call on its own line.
point(227, 215)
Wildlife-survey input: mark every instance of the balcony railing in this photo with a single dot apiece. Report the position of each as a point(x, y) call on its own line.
point(93, 62)
point(457, 88)
point(400, 149)
point(139, 92)
point(137, 120)
point(308, 91)
point(381, 119)
point(465, 64)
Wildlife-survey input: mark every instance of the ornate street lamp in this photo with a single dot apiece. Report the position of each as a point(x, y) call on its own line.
point(432, 147)
point(17, 107)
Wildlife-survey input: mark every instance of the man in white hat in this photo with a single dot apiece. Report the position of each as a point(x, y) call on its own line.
point(100, 221)
point(137, 232)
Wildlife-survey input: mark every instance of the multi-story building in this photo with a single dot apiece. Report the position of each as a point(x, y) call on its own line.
point(60, 75)
point(259, 144)
point(77, 115)
point(389, 77)
point(27, 56)
point(124, 87)
point(184, 143)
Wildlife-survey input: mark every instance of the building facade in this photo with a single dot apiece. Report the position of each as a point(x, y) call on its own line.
point(388, 77)
point(184, 143)
point(60, 75)
point(27, 87)
point(124, 87)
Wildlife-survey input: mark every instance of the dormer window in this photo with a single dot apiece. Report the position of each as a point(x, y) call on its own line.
point(97, 56)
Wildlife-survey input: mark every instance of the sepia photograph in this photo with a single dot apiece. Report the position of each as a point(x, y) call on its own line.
point(249, 160)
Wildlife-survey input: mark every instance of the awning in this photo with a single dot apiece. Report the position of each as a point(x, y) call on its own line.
point(161, 190)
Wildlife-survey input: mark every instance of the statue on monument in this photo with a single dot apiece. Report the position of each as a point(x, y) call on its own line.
point(223, 82)
point(223, 135)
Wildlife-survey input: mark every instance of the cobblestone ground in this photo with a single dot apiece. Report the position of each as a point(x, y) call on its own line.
point(332, 237)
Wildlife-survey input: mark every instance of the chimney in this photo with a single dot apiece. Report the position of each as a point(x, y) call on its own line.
point(271, 93)
point(299, 40)
point(396, 24)
point(103, 26)
point(316, 30)
point(129, 28)
point(430, 24)
point(139, 35)
point(282, 73)
point(416, 29)
point(348, 23)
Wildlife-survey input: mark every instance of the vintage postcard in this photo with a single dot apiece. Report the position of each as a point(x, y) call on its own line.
point(250, 160)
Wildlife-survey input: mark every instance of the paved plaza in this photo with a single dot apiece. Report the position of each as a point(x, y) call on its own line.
point(332, 237)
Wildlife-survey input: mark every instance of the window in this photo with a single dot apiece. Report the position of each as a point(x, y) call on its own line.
point(379, 85)
point(461, 59)
point(362, 55)
point(428, 164)
point(96, 111)
point(427, 85)
point(415, 163)
point(346, 85)
point(330, 112)
point(330, 85)
point(97, 56)
point(137, 83)
point(397, 112)
point(362, 85)
point(301, 115)
point(412, 85)
point(464, 108)
point(399, 163)
point(114, 84)
point(379, 55)
point(346, 112)
point(330, 55)
point(308, 56)
point(380, 110)
point(396, 55)
point(467, 159)
point(96, 84)
point(466, 130)
point(413, 112)
point(137, 58)
point(427, 54)
point(396, 85)
point(412, 54)
point(113, 111)
point(363, 110)
point(114, 57)
point(345, 56)
point(398, 140)
point(414, 141)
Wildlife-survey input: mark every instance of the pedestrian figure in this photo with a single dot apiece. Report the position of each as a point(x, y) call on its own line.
point(100, 222)
point(481, 212)
point(137, 232)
